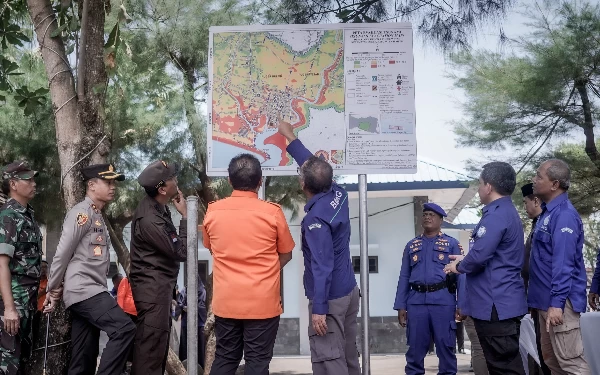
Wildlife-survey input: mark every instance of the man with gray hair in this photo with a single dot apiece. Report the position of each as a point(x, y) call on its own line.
point(493, 266)
point(557, 280)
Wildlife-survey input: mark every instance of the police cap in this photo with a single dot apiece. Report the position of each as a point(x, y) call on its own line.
point(19, 170)
point(434, 208)
point(527, 190)
point(156, 174)
point(101, 171)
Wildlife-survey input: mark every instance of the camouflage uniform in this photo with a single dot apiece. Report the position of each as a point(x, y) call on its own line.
point(21, 240)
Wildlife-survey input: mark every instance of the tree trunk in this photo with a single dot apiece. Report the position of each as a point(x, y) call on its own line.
point(64, 100)
point(78, 128)
point(91, 106)
point(115, 231)
point(588, 123)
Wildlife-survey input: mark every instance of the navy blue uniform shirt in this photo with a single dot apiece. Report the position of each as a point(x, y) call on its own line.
point(556, 264)
point(328, 272)
point(494, 263)
point(423, 263)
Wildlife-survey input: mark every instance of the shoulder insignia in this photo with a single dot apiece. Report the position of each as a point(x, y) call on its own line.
point(462, 251)
point(95, 208)
point(98, 223)
point(415, 258)
point(82, 219)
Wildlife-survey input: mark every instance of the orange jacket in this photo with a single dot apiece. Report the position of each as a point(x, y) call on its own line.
point(125, 298)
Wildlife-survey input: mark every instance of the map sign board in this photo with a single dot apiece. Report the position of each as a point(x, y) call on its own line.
point(347, 89)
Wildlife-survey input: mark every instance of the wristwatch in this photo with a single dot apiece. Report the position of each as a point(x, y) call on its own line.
point(458, 264)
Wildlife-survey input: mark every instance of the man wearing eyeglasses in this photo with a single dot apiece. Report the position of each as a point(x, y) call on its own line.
point(426, 297)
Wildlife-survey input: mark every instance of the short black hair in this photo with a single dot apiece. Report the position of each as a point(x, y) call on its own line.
point(317, 175)
point(501, 176)
point(116, 276)
point(244, 172)
point(151, 191)
point(6, 187)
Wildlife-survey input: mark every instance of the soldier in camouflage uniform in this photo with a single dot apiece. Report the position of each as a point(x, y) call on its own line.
point(20, 266)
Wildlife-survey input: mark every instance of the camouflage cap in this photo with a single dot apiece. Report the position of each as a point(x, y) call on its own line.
point(19, 170)
point(155, 175)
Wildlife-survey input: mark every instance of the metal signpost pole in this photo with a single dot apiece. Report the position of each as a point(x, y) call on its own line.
point(192, 285)
point(364, 272)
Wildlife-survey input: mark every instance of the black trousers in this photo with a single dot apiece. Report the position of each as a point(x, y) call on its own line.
point(500, 343)
point(95, 314)
point(151, 346)
point(252, 338)
point(201, 345)
point(536, 324)
point(460, 335)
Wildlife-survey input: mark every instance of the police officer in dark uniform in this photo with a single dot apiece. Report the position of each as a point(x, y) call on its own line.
point(427, 296)
point(329, 281)
point(156, 253)
point(496, 293)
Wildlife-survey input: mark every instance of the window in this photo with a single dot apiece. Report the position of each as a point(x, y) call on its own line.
point(373, 264)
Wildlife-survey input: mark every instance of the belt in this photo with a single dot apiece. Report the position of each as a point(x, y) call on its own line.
point(429, 288)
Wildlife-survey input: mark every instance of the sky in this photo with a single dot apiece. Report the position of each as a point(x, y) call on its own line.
point(438, 103)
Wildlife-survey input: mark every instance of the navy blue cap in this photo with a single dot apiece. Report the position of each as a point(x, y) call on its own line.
point(527, 190)
point(435, 208)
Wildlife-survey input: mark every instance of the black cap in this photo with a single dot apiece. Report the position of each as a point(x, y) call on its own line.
point(102, 171)
point(19, 170)
point(527, 190)
point(155, 175)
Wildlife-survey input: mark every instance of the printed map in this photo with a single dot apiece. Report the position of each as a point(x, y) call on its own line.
point(260, 77)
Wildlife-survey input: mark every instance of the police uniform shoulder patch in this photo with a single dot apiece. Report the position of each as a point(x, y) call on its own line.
point(481, 231)
point(97, 251)
point(82, 219)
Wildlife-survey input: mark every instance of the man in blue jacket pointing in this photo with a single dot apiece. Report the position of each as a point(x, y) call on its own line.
point(329, 281)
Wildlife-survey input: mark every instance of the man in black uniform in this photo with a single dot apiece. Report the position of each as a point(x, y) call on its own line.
point(533, 207)
point(156, 253)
